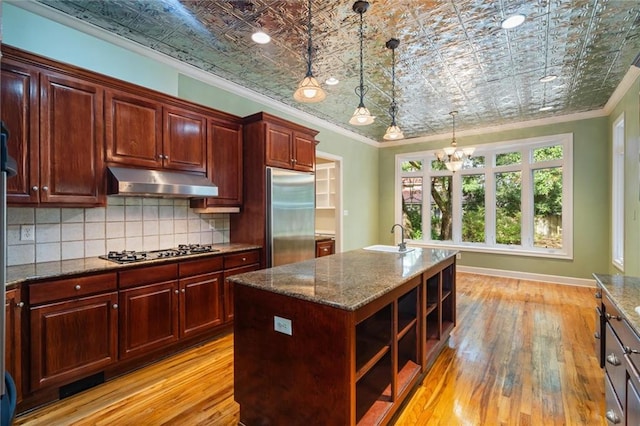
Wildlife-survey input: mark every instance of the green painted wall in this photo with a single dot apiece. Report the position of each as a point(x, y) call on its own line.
point(37, 34)
point(591, 192)
point(629, 105)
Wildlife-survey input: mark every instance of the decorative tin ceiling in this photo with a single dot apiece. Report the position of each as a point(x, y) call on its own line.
point(453, 54)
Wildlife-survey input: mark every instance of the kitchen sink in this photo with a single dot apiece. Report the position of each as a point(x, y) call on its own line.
point(388, 249)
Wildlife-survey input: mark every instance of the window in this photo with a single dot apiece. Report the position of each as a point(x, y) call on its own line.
point(510, 197)
point(617, 194)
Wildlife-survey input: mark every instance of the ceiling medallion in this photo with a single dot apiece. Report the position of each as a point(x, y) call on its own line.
point(361, 116)
point(309, 89)
point(451, 156)
point(393, 131)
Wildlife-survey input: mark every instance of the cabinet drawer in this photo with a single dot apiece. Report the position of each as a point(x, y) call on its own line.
point(613, 410)
point(241, 259)
point(614, 363)
point(324, 248)
point(148, 275)
point(71, 287)
point(200, 266)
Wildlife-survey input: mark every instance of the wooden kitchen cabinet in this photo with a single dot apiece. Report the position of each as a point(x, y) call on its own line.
point(72, 337)
point(184, 140)
point(201, 295)
point(56, 133)
point(235, 264)
point(13, 337)
point(224, 164)
point(325, 248)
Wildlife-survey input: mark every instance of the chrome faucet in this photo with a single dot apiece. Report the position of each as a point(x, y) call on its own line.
point(402, 246)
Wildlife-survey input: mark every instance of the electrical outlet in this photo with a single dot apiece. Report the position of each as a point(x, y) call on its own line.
point(27, 232)
point(458, 255)
point(282, 325)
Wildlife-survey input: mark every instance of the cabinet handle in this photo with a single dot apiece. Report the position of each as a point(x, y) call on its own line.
point(77, 287)
point(613, 359)
point(45, 188)
point(115, 306)
point(176, 291)
point(617, 317)
point(596, 335)
point(183, 290)
point(612, 417)
point(160, 156)
point(166, 157)
point(598, 295)
point(294, 161)
point(325, 249)
point(20, 304)
point(34, 187)
point(628, 350)
point(244, 259)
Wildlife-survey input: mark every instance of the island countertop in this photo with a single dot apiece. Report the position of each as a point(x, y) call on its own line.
point(624, 291)
point(347, 280)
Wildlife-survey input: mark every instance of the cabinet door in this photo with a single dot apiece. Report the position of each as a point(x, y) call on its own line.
point(71, 138)
point(185, 140)
point(228, 289)
point(225, 163)
point(72, 339)
point(305, 152)
point(148, 318)
point(133, 130)
point(13, 338)
point(325, 248)
point(19, 106)
point(279, 147)
point(200, 303)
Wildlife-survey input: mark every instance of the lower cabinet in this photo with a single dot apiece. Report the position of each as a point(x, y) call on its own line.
point(235, 264)
point(200, 307)
point(325, 248)
point(72, 337)
point(13, 337)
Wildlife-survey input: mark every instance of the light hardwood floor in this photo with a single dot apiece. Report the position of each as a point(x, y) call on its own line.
point(521, 354)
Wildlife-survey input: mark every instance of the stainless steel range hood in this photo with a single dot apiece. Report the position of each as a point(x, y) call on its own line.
point(155, 183)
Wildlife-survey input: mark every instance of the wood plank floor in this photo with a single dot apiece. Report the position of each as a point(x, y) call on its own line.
point(521, 354)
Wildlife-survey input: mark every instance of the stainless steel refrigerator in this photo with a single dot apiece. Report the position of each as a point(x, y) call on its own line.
point(290, 216)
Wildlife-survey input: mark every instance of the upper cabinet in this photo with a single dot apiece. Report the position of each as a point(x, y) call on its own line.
point(55, 134)
point(286, 145)
point(142, 132)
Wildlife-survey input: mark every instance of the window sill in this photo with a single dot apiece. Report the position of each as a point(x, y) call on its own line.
point(495, 250)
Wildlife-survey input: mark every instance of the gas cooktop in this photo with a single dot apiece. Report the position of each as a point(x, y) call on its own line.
point(130, 256)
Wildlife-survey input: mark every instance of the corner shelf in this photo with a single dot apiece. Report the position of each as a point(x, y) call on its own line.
point(325, 186)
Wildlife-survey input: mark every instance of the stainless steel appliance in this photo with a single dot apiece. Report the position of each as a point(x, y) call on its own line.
point(130, 256)
point(158, 183)
point(7, 387)
point(290, 216)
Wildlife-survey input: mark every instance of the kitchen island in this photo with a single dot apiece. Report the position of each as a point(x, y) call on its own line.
point(341, 339)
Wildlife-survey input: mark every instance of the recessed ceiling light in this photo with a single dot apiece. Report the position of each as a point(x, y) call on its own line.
point(332, 81)
point(512, 21)
point(546, 108)
point(260, 37)
point(548, 78)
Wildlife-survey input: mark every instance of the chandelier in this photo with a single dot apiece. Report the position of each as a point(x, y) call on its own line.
point(361, 116)
point(452, 157)
point(393, 131)
point(309, 89)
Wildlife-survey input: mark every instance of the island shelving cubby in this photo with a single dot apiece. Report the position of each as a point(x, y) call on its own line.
point(343, 363)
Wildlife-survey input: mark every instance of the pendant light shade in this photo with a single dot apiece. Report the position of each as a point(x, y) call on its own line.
point(452, 157)
point(361, 116)
point(309, 89)
point(393, 131)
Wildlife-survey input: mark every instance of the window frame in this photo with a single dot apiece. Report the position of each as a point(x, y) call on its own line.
point(526, 167)
point(617, 192)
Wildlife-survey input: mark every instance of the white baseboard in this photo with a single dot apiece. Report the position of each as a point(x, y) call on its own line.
point(554, 279)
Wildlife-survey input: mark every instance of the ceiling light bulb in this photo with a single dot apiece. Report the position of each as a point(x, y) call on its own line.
point(468, 151)
point(393, 133)
point(548, 78)
point(260, 37)
point(546, 108)
point(332, 81)
point(512, 21)
point(361, 117)
point(449, 150)
point(309, 90)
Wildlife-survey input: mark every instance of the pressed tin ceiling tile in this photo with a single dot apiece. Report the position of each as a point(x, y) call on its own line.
point(453, 54)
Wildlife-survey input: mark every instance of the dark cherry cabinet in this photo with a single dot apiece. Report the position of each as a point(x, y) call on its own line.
point(55, 122)
point(133, 130)
point(184, 140)
point(73, 328)
point(235, 264)
point(325, 248)
point(288, 148)
point(13, 337)
point(224, 164)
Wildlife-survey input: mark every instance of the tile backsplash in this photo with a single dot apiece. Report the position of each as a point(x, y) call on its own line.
point(126, 223)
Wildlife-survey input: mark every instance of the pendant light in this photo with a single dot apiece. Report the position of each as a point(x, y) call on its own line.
point(361, 116)
point(393, 131)
point(309, 89)
point(451, 156)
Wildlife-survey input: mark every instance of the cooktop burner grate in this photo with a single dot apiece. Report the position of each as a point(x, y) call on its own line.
point(130, 256)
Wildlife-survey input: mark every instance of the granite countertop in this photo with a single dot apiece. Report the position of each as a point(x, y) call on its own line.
point(47, 270)
point(625, 293)
point(345, 280)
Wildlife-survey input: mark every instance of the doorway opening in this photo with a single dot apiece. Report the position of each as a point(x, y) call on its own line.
point(329, 197)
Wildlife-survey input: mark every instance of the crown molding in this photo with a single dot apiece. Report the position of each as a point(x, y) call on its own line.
point(182, 67)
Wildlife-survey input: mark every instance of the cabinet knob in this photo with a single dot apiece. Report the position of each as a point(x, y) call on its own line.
point(176, 291)
point(160, 156)
point(612, 417)
point(183, 290)
point(115, 306)
point(166, 157)
point(596, 335)
point(244, 259)
point(294, 161)
point(613, 359)
point(77, 287)
point(20, 304)
point(45, 188)
point(616, 317)
point(34, 188)
point(598, 295)
point(325, 249)
point(628, 350)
